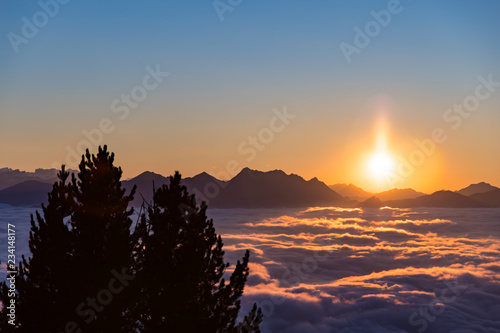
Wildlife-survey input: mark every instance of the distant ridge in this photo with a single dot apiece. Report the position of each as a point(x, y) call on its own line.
point(372, 202)
point(399, 194)
point(203, 184)
point(445, 199)
point(144, 182)
point(356, 193)
point(248, 189)
point(27, 193)
point(477, 188)
point(258, 189)
point(351, 191)
point(10, 177)
point(491, 197)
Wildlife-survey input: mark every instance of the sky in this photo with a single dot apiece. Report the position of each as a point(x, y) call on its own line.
point(363, 92)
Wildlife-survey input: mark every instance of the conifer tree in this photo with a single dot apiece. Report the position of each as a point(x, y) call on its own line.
point(88, 272)
point(103, 243)
point(183, 270)
point(43, 281)
point(81, 243)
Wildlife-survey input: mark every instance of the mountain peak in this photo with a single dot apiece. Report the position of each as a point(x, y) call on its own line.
point(148, 175)
point(373, 202)
point(246, 171)
point(399, 194)
point(275, 188)
point(481, 187)
point(203, 177)
point(351, 191)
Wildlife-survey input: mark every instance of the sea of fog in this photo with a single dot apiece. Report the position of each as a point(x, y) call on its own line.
point(356, 270)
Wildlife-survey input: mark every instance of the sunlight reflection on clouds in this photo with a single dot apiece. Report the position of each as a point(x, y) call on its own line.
point(377, 267)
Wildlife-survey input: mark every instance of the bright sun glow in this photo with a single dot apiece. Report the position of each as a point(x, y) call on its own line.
point(380, 165)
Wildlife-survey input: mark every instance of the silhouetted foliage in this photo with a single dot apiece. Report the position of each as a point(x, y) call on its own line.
point(44, 282)
point(182, 269)
point(251, 322)
point(83, 236)
point(88, 270)
point(103, 244)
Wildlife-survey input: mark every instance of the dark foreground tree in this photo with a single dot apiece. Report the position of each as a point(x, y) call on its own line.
point(44, 282)
point(182, 269)
point(89, 273)
point(103, 244)
point(81, 243)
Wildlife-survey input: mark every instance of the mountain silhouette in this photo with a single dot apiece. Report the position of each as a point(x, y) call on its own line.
point(257, 189)
point(373, 202)
point(356, 193)
point(445, 199)
point(27, 193)
point(351, 191)
point(491, 198)
point(399, 194)
point(477, 188)
point(10, 177)
point(204, 184)
point(144, 182)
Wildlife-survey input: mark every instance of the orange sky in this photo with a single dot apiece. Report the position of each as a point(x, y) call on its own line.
point(335, 149)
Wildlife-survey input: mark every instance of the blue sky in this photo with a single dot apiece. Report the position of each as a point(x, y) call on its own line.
point(226, 76)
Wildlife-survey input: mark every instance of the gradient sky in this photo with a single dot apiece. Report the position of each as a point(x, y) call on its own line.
point(226, 77)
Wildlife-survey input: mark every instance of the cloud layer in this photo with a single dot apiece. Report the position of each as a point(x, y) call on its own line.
point(354, 270)
point(371, 270)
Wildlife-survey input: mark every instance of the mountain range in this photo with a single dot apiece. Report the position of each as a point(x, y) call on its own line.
point(257, 189)
point(356, 193)
point(10, 177)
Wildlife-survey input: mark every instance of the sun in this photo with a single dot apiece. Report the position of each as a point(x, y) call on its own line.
point(380, 165)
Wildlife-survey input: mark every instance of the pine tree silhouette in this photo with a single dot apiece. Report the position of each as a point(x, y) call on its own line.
point(83, 237)
point(103, 243)
point(89, 272)
point(44, 282)
point(182, 269)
